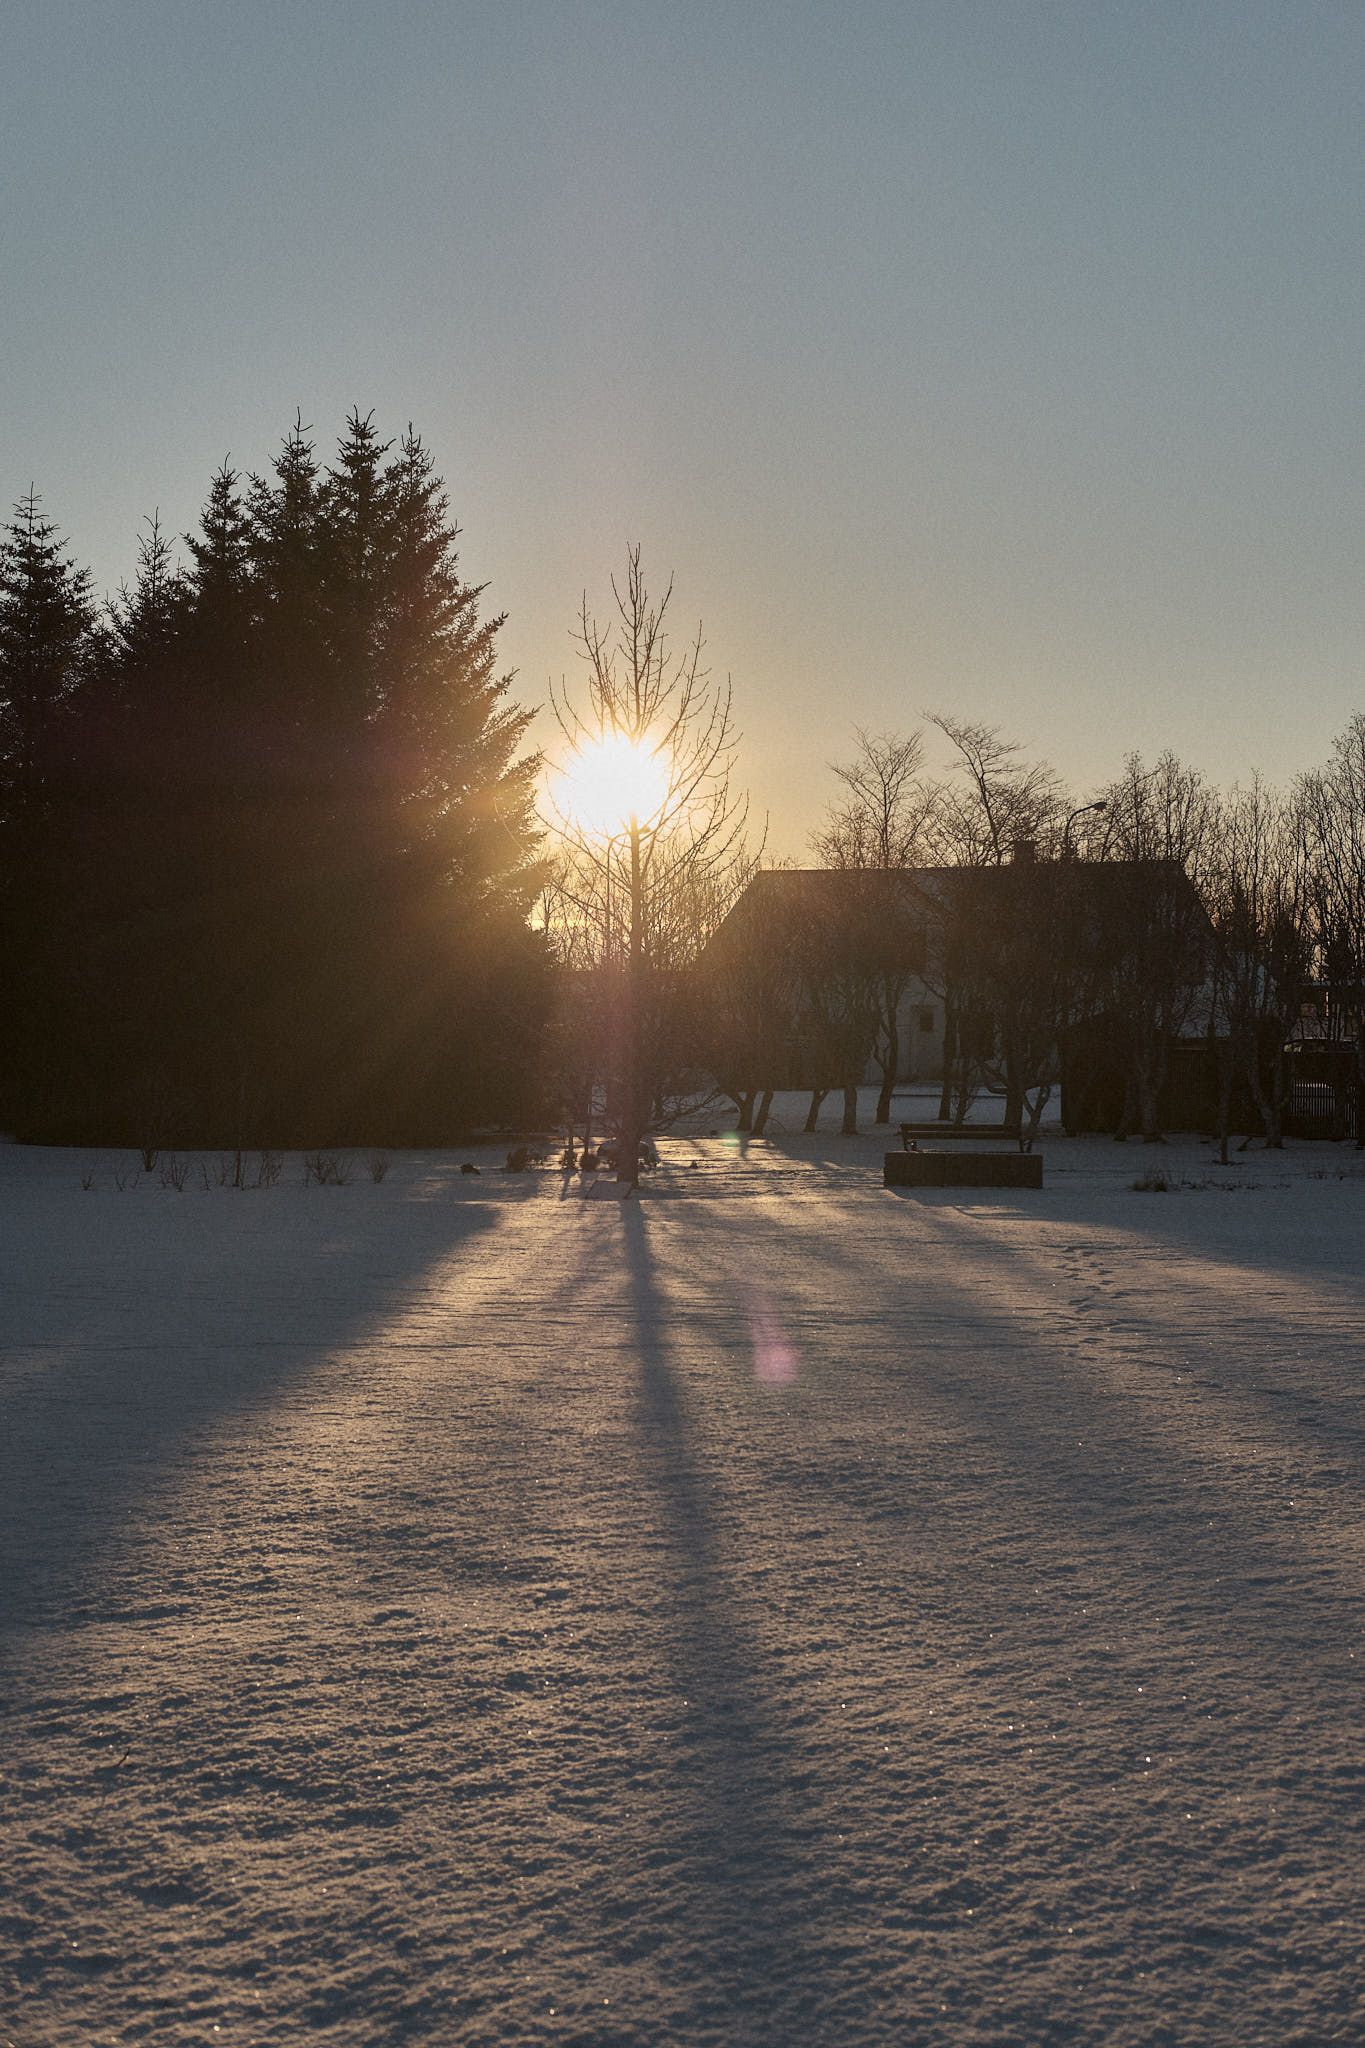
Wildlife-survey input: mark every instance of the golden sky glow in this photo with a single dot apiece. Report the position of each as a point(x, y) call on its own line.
point(997, 359)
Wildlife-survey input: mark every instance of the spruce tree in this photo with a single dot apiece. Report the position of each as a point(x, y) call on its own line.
point(393, 837)
point(46, 622)
point(296, 845)
point(220, 581)
point(47, 642)
point(444, 718)
point(354, 550)
point(455, 799)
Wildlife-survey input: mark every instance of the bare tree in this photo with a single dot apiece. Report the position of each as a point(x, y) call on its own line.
point(752, 1001)
point(1016, 965)
point(1259, 904)
point(1002, 967)
point(882, 824)
point(1333, 806)
point(882, 819)
point(999, 801)
point(664, 871)
point(584, 944)
point(840, 974)
point(1160, 822)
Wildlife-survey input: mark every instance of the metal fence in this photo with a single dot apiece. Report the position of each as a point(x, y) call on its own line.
point(1324, 1108)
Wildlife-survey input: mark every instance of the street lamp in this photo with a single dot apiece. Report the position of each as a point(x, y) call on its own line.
point(1081, 811)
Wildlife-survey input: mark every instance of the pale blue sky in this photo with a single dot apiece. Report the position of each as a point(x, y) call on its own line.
point(998, 357)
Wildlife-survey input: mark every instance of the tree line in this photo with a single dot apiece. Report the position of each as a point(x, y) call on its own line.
point(271, 869)
point(1155, 911)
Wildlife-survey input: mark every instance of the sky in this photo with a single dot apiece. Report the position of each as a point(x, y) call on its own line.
point(995, 358)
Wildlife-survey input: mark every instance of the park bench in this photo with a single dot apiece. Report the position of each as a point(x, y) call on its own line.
point(911, 1134)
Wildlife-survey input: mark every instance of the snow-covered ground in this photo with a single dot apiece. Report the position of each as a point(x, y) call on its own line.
point(446, 1610)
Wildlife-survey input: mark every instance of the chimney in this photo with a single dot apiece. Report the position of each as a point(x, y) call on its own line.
point(1024, 850)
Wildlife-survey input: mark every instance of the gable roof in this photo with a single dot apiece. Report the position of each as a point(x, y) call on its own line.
point(787, 892)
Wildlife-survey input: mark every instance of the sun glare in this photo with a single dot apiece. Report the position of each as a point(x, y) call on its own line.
point(610, 782)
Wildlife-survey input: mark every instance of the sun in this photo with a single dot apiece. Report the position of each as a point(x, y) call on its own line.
point(609, 782)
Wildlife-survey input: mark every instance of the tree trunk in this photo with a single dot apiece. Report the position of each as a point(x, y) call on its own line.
point(945, 1099)
point(744, 1102)
point(1267, 1106)
point(1028, 1129)
point(817, 1096)
point(628, 1143)
point(1125, 1122)
point(1278, 1095)
point(761, 1113)
point(849, 1127)
point(1014, 1092)
point(1148, 1079)
point(961, 1097)
point(1225, 1080)
point(889, 1063)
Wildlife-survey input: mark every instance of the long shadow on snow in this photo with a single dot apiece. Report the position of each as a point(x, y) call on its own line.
point(1202, 1514)
point(210, 1350)
point(1177, 1332)
point(740, 1845)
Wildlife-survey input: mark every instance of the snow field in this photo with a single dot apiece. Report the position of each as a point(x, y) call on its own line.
point(778, 1611)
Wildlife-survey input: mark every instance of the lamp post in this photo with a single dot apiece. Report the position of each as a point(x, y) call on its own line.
point(1081, 811)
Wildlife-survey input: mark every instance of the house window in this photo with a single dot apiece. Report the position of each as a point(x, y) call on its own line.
point(926, 1020)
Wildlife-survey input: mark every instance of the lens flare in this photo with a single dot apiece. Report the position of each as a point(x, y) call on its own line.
point(774, 1353)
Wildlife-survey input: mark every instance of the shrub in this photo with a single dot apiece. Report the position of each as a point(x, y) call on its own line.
point(327, 1170)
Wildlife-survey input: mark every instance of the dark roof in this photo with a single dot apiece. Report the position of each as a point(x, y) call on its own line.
point(787, 890)
point(905, 904)
point(827, 888)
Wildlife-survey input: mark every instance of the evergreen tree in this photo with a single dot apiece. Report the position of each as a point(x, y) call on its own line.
point(447, 729)
point(48, 641)
point(46, 622)
point(297, 857)
point(219, 583)
point(144, 619)
point(355, 539)
point(456, 803)
point(282, 516)
point(290, 670)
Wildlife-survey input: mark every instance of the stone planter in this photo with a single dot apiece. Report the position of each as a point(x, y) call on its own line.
point(962, 1169)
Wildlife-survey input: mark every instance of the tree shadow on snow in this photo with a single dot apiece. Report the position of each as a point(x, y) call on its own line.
point(743, 1861)
point(1098, 1443)
point(116, 1401)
